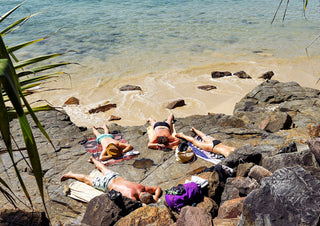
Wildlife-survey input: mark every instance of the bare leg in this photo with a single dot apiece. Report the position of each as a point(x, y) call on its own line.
point(169, 121)
point(106, 129)
point(104, 156)
point(202, 135)
point(100, 166)
point(203, 145)
point(223, 149)
point(152, 121)
point(80, 177)
point(95, 131)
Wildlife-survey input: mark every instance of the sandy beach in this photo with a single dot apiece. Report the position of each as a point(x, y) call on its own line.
point(161, 88)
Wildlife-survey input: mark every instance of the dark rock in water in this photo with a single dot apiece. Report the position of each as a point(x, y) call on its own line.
point(102, 108)
point(113, 118)
point(207, 87)
point(242, 74)
point(193, 216)
point(148, 215)
point(72, 100)
point(102, 211)
point(176, 103)
point(268, 75)
point(289, 197)
point(20, 217)
point(220, 74)
point(130, 88)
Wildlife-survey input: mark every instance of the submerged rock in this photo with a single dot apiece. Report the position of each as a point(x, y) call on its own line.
point(207, 87)
point(176, 103)
point(220, 74)
point(242, 74)
point(268, 75)
point(102, 108)
point(130, 88)
point(72, 101)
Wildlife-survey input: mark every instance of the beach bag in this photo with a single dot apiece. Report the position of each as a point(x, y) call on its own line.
point(184, 153)
point(192, 194)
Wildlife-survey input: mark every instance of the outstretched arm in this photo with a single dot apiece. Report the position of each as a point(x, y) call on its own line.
point(174, 143)
point(126, 147)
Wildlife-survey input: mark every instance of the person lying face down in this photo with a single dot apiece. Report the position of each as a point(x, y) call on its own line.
point(208, 143)
point(111, 148)
point(112, 180)
point(162, 134)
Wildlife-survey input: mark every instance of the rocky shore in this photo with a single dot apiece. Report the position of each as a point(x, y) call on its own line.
point(276, 179)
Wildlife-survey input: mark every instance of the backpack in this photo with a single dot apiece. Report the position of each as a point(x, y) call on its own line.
point(191, 195)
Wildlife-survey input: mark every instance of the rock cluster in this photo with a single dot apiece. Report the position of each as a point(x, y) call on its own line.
point(275, 181)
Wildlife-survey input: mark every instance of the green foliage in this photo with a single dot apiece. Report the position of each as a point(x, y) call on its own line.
point(15, 84)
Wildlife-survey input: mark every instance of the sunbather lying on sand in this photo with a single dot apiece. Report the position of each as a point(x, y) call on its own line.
point(163, 134)
point(208, 143)
point(111, 148)
point(112, 180)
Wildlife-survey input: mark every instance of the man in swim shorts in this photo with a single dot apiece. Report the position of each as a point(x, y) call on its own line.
point(208, 143)
point(163, 134)
point(112, 180)
point(111, 148)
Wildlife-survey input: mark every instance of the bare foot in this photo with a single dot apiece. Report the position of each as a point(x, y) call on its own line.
point(192, 129)
point(66, 176)
point(90, 159)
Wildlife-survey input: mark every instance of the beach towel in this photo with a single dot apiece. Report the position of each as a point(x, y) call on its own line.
point(208, 156)
point(95, 149)
point(83, 192)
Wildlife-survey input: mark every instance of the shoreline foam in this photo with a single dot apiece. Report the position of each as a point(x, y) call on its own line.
point(160, 88)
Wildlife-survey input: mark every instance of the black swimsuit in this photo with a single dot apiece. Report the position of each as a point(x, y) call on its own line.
point(161, 124)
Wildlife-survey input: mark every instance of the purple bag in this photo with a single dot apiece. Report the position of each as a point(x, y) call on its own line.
point(192, 195)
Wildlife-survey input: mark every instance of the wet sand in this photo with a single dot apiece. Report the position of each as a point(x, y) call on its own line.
point(162, 87)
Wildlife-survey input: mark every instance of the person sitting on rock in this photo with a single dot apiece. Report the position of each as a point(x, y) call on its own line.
point(162, 137)
point(207, 143)
point(111, 148)
point(112, 180)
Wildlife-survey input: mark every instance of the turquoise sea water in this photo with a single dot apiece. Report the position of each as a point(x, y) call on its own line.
point(168, 48)
point(175, 32)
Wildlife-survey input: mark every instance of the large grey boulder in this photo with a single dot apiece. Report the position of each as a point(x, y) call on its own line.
point(275, 98)
point(289, 197)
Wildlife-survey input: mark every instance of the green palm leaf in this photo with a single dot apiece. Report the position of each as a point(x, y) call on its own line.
point(11, 11)
point(5, 81)
point(24, 63)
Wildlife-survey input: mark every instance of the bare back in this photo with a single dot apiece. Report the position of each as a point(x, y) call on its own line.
point(127, 188)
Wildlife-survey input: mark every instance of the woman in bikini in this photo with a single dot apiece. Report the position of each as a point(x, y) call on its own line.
point(163, 134)
point(208, 143)
point(111, 148)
